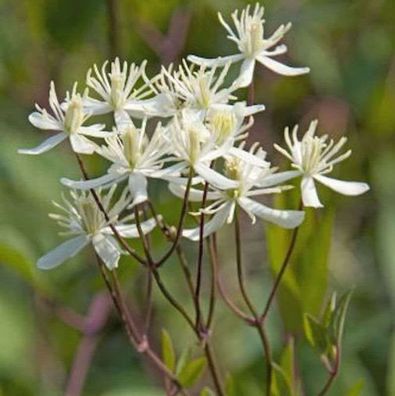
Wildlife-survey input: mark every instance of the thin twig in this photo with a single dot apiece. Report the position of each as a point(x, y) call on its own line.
point(332, 373)
point(113, 28)
point(281, 273)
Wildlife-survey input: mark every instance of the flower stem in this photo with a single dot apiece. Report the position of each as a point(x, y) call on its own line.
point(257, 324)
point(281, 272)
point(131, 251)
point(332, 374)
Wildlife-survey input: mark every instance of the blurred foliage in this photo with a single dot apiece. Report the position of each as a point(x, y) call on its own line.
point(349, 46)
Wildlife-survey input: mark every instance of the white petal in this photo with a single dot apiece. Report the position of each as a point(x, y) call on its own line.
point(63, 252)
point(281, 68)
point(81, 144)
point(309, 193)
point(214, 178)
point(216, 62)
point(95, 130)
point(194, 195)
point(96, 107)
point(102, 181)
point(218, 220)
point(46, 145)
point(44, 122)
point(278, 178)
point(283, 218)
point(107, 249)
point(343, 187)
point(122, 119)
point(250, 110)
point(138, 188)
point(248, 157)
point(131, 231)
point(170, 172)
point(246, 73)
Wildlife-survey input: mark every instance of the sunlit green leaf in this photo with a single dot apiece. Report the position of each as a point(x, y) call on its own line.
point(191, 372)
point(168, 353)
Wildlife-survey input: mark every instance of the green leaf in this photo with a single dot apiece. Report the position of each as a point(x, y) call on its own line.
point(316, 334)
point(230, 387)
point(339, 316)
point(168, 354)
point(183, 360)
point(329, 311)
point(207, 392)
point(191, 372)
point(281, 384)
point(287, 363)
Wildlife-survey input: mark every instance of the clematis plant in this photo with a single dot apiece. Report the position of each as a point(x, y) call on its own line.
point(187, 129)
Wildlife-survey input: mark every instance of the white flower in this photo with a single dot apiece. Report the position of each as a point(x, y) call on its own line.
point(67, 120)
point(86, 223)
point(253, 47)
point(313, 157)
point(193, 146)
point(187, 87)
point(117, 90)
point(134, 156)
point(246, 174)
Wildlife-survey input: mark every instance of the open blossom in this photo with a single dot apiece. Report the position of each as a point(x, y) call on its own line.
point(83, 220)
point(67, 120)
point(189, 87)
point(134, 156)
point(313, 157)
point(246, 174)
point(117, 90)
point(253, 46)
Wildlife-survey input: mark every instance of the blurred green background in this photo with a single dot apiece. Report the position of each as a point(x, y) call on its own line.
point(349, 46)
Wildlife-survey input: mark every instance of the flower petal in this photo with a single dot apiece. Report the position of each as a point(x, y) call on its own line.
point(107, 249)
point(214, 178)
point(217, 221)
point(46, 145)
point(63, 252)
point(248, 157)
point(81, 144)
point(95, 130)
point(215, 62)
point(131, 231)
point(42, 121)
point(278, 178)
point(122, 119)
point(281, 68)
point(343, 187)
point(138, 188)
point(283, 218)
point(246, 73)
point(194, 195)
point(309, 193)
point(102, 181)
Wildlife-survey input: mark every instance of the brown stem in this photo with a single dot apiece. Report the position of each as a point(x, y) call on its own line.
point(103, 210)
point(180, 223)
point(113, 28)
point(200, 257)
point(257, 324)
point(281, 272)
point(332, 374)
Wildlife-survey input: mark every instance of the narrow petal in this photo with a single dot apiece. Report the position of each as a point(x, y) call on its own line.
point(44, 122)
point(218, 220)
point(131, 231)
point(96, 107)
point(278, 178)
point(248, 157)
point(107, 249)
point(81, 144)
point(122, 119)
point(194, 195)
point(343, 187)
point(95, 131)
point(103, 181)
point(215, 62)
point(138, 188)
point(46, 145)
point(63, 252)
point(309, 193)
point(246, 73)
point(281, 68)
point(214, 178)
point(283, 218)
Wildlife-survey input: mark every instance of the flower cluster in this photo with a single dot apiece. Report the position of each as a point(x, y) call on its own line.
point(187, 127)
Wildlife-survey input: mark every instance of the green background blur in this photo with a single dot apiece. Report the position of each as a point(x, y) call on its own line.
point(349, 46)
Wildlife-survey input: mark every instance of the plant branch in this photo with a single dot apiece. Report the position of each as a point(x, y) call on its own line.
point(332, 373)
